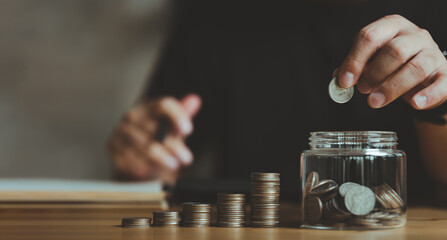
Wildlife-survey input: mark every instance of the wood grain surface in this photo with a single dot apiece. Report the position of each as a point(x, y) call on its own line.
point(103, 223)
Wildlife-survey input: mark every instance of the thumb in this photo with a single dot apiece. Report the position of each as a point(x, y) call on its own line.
point(191, 103)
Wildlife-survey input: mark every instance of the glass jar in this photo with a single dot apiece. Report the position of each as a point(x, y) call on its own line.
point(353, 180)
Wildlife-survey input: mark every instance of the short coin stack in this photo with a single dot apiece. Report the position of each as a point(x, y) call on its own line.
point(388, 197)
point(264, 193)
point(230, 210)
point(136, 222)
point(196, 214)
point(166, 219)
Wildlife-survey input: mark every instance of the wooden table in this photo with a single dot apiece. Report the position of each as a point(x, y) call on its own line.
point(56, 223)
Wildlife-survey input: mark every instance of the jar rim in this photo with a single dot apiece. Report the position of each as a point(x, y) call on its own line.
point(353, 139)
point(355, 133)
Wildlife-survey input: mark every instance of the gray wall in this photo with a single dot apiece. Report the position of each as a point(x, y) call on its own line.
point(68, 70)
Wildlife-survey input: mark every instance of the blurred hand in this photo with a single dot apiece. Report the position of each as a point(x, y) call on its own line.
point(134, 148)
point(392, 57)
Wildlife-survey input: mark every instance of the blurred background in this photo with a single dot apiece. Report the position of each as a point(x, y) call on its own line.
point(68, 71)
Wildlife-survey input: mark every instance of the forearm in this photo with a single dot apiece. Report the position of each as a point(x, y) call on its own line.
point(433, 146)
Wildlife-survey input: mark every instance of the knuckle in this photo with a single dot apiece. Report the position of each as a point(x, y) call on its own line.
point(353, 64)
point(131, 115)
point(416, 68)
point(424, 33)
point(142, 173)
point(367, 35)
point(167, 102)
point(395, 17)
point(122, 128)
point(391, 89)
point(432, 59)
point(397, 50)
point(153, 150)
point(433, 96)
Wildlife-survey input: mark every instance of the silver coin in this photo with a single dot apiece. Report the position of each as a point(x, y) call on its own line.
point(345, 187)
point(360, 200)
point(339, 94)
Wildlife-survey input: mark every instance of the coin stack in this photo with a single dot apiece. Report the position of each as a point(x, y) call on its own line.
point(387, 197)
point(196, 214)
point(327, 203)
point(166, 219)
point(230, 210)
point(136, 222)
point(264, 193)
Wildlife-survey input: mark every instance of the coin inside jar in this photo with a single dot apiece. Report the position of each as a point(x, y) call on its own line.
point(339, 94)
point(313, 208)
point(360, 200)
point(325, 189)
point(311, 181)
point(345, 187)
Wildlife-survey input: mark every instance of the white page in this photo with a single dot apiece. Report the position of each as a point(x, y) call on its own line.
point(64, 185)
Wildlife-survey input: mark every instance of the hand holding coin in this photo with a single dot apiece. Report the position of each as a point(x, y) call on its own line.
point(393, 57)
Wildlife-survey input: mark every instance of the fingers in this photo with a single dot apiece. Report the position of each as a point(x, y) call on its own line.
point(191, 103)
point(433, 95)
point(158, 154)
point(127, 161)
point(138, 156)
point(413, 73)
point(172, 109)
point(369, 39)
point(147, 116)
point(141, 117)
point(391, 57)
point(133, 166)
point(177, 147)
point(132, 135)
point(178, 113)
point(134, 147)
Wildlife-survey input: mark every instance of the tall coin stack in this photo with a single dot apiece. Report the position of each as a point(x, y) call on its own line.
point(230, 210)
point(196, 214)
point(166, 219)
point(264, 188)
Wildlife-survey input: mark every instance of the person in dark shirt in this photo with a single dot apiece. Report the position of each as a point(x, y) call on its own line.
point(254, 77)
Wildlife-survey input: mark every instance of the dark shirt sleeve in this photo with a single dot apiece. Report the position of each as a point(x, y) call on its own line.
point(184, 64)
point(171, 76)
point(434, 19)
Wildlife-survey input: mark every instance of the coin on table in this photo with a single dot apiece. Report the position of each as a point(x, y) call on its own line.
point(339, 94)
point(360, 200)
point(134, 222)
point(166, 218)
